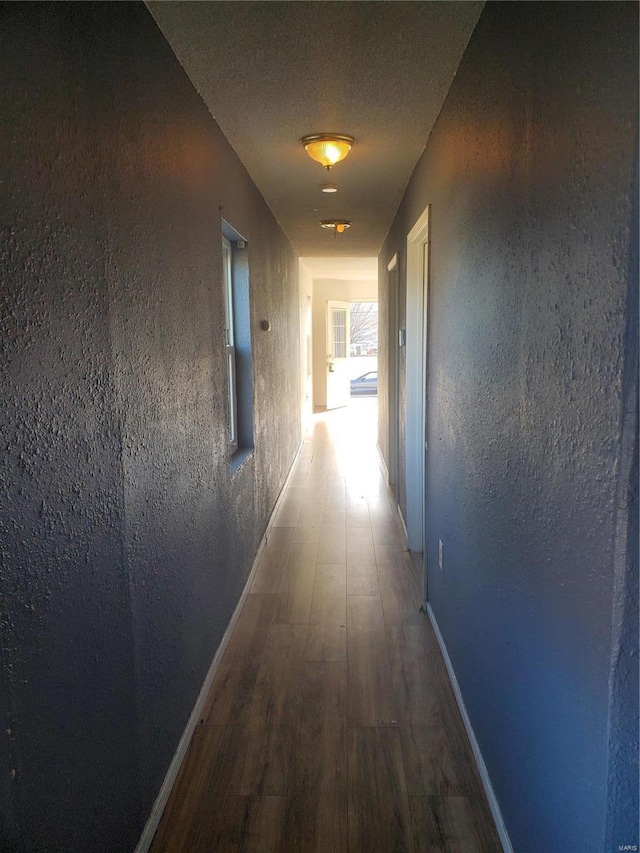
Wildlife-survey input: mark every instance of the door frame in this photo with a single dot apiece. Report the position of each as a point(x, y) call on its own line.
point(392, 377)
point(417, 304)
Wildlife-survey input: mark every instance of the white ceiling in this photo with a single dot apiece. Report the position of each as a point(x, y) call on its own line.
point(271, 72)
point(343, 269)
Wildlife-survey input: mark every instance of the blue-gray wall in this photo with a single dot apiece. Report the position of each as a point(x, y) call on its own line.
point(126, 541)
point(532, 410)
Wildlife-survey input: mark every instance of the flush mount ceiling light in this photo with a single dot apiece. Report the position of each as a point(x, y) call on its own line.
point(329, 188)
point(337, 225)
point(327, 148)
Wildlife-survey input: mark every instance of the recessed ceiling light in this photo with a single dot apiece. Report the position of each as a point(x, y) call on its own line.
point(329, 188)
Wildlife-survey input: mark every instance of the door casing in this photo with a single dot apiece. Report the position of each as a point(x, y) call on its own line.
point(392, 386)
point(416, 391)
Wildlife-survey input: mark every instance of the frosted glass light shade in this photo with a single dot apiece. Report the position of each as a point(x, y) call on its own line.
point(327, 148)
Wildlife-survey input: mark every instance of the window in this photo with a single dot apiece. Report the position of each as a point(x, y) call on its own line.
point(237, 343)
point(339, 332)
point(229, 341)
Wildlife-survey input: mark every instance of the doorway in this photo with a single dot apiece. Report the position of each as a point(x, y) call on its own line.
point(417, 445)
point(363, 350)
point(351, 352)
point(353, 281)
point(395, 349)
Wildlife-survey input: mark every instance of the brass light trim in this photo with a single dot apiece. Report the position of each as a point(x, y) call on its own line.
point(337, 225)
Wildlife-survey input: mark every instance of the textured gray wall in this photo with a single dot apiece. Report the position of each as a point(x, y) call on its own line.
point(126, 542)
point(624, 770)
point(530, 174)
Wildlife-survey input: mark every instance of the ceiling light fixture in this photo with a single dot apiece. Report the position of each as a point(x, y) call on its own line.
point(327, 148)
point(329, 188)
point(337, 225)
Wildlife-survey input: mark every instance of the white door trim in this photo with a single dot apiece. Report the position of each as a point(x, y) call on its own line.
point(416, 381)
point(392, 374)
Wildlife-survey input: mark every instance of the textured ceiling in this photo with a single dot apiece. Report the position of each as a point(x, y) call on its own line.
point(271, 72)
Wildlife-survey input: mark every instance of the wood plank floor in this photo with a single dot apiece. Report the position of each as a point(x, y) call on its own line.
point(331, 726)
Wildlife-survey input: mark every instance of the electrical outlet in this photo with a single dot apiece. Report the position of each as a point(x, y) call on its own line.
point(440, 553)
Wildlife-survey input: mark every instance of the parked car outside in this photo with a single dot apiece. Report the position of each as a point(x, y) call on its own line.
point(365, 385)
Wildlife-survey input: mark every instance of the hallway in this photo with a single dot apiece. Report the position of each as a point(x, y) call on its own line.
point(331, 724)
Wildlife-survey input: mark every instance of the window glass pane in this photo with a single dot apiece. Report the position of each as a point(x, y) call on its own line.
point(339, 332)
point(229, 343)
point(233, 407)
point(237, 323)
point(228, 291)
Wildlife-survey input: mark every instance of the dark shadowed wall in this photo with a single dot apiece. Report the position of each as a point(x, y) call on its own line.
point(532, 410)
point(392, 382)
point(126, 541)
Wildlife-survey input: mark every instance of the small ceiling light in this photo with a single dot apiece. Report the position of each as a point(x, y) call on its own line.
point(329, 188)
point(337, 225)
point(327, 148)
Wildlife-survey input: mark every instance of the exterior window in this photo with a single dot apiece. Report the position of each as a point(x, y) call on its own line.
point(237, 343)
point(230, 347)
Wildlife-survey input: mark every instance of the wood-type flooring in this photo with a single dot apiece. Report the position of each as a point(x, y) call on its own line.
point(331, 726)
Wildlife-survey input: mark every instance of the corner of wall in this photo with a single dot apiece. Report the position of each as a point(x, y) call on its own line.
point(622, 823)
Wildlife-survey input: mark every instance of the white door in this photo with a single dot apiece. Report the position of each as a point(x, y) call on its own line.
point(337, 366)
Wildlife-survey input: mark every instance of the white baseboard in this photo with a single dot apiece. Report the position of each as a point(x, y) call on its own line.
point(482, 767)
point(183, 745)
